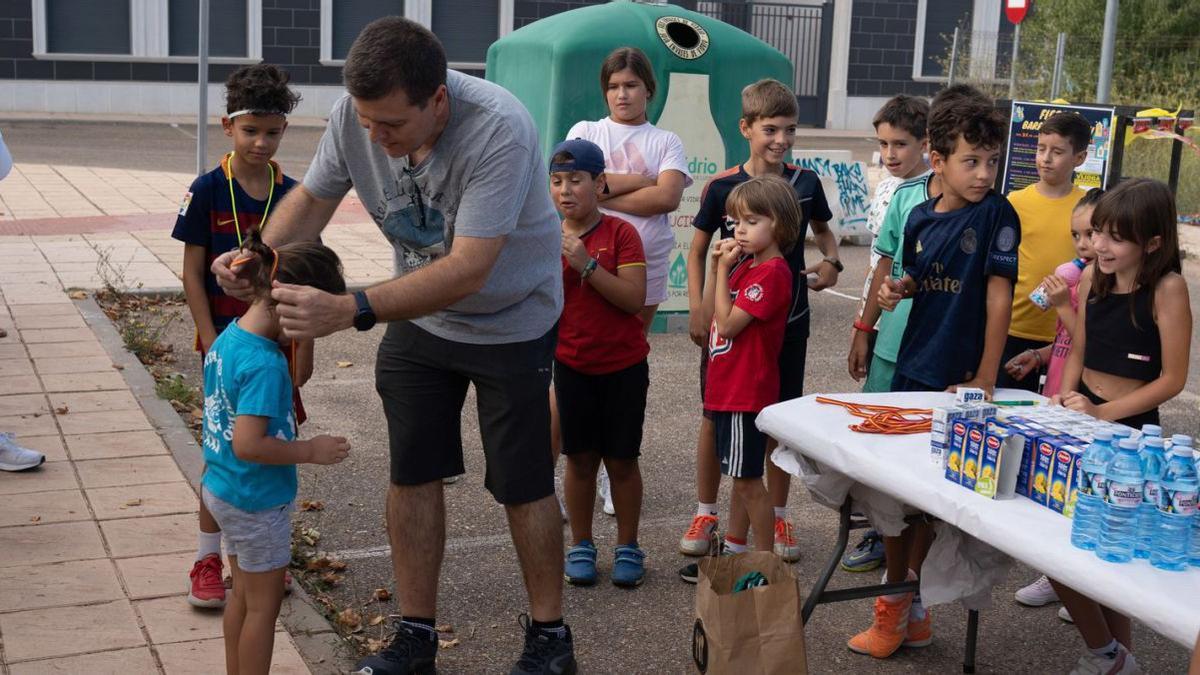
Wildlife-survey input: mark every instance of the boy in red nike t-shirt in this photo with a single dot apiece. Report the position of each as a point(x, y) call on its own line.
point(600, 370)
point(748, 296)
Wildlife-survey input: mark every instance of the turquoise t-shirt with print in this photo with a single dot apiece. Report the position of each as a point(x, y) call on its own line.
point(890, 244)
point(246, 374)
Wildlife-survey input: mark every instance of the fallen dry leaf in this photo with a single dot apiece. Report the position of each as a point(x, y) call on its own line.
point(344, 364)
point(310, 536)
point(331, 578)
point(197, 413)
point(348, 618)
point(77, 295)
point(382, 594)
point(444, 628)
point(337, 565)
point(448, 644)
point(306, 505)
point(377, 619)
point(35, 519)
point(62, 410)
point(134, 502)
point(118, 366)
point(374, 645)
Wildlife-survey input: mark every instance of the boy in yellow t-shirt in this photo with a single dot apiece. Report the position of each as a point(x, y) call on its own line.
point(1045, 211)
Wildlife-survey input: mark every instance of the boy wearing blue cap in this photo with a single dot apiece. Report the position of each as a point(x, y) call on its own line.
point(600, 370)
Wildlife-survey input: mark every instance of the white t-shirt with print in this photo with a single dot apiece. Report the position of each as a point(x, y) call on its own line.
point(646, 150)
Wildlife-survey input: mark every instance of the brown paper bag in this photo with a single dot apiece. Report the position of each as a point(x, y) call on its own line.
point(758, 630)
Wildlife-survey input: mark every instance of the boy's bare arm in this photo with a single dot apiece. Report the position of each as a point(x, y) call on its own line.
point(696, 260)
point(999, 312)
point(624, 183)
point(826, 243)
point(252, 443)
point(195, 263)
point(662, 197)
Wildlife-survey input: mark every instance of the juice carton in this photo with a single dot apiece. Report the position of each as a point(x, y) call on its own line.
point(954, 452)
point(1076, 483)
point(991, 459)
point(972, 454)
point(1039, 487)
point(1064, 476)
point(1032, 433)
point(941, 432)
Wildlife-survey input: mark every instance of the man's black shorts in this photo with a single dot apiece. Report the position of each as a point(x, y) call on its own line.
point(422, 380)
point(602, 413)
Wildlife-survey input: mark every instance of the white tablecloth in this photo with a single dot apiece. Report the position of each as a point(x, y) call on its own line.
point(1166, 602)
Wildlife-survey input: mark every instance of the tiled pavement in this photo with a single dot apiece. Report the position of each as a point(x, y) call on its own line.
point(94, 545)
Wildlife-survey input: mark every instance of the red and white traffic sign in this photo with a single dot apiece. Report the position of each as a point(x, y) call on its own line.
point(1016, 10)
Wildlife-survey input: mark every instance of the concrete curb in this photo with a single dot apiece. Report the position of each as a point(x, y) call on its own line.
point(319, 645)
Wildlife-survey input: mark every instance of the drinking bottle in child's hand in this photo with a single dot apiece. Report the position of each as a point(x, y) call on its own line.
point(1069, 272)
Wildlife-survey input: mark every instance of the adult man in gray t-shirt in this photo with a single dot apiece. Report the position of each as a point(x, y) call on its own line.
point(449, 168)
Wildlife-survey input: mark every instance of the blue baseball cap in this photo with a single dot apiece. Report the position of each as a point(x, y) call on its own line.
point(587, 156)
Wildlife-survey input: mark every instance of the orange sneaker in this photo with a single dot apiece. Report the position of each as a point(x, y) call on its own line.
point(919, 633)
point(887, 631)
point(700, 537)
point(786, 546)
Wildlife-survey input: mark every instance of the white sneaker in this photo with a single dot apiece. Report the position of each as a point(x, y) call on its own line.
point(605, 491)
point(1037, 594)
point(16, 458)
point(1122, 664)
point(1065, 615)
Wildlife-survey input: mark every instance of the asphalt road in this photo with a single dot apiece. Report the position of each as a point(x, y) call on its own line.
point(648, 629)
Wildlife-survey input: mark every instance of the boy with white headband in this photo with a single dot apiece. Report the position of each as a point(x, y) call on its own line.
point(220, 210)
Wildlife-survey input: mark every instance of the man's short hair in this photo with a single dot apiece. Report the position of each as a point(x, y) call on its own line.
point(909, 113)
point(394, 53)
point(768, 98)
point(1071, 126)
point(964, 112)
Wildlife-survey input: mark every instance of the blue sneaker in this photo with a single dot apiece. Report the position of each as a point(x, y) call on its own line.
point(865, 556)
point(629, 566)
point(580, 569)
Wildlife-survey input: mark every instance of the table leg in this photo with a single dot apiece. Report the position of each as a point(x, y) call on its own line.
point(972, 634)
point(814, 596)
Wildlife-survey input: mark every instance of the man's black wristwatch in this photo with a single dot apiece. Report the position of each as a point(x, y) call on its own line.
point(837, 264)
point(364, 318)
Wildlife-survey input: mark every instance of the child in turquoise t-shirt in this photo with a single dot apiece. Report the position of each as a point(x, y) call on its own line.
point(250, 445)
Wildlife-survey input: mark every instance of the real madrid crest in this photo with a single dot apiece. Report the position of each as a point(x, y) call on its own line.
point(684, 37)
point(968, 243)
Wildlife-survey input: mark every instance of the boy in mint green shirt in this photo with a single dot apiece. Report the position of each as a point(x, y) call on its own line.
point(890, 246)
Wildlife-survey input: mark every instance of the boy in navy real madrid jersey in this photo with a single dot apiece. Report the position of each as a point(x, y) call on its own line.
point(221, 209)
point(960, 260)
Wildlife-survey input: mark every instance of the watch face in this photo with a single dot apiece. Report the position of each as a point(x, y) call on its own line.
point(364, 320)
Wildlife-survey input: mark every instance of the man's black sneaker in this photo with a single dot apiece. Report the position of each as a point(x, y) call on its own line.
point(413, 652)
point(545, 654)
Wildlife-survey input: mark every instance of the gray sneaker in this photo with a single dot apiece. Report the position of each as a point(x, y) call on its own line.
point(16, 458)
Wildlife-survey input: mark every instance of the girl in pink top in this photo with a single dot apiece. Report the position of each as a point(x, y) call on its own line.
point(1062, 288)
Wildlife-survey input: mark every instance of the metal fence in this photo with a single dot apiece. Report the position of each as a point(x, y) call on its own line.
point(794, 30)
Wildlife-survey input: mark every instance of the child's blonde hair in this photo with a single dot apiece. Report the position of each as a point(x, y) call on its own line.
point(768, 98)
point(769, 196)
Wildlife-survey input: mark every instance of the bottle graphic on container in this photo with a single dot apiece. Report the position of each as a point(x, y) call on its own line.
point(1069, 272)
point(1153, 460)
point(1085, 527)
point(1124, 484)
point(1175, 538)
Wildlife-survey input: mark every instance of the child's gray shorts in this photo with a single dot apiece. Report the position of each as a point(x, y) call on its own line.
point(261, 540)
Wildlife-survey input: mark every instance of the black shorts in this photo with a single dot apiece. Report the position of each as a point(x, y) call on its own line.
point(791, 367)
point(602, 413)
point(422, 380)
point(741, 447)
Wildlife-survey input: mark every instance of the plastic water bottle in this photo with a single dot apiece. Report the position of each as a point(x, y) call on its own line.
point(1154, 461)
point(1124, 484)
point(1120, 432)
point(1177, 499)
point(1085, 527)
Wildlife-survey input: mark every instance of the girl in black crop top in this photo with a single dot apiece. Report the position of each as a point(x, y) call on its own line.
point(1130, 355)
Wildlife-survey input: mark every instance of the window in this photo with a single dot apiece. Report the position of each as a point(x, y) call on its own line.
point(985, 39)
point(466, 27)
point(88, 27)
point(227, 27)
point(146, 30)
point(936, 21)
